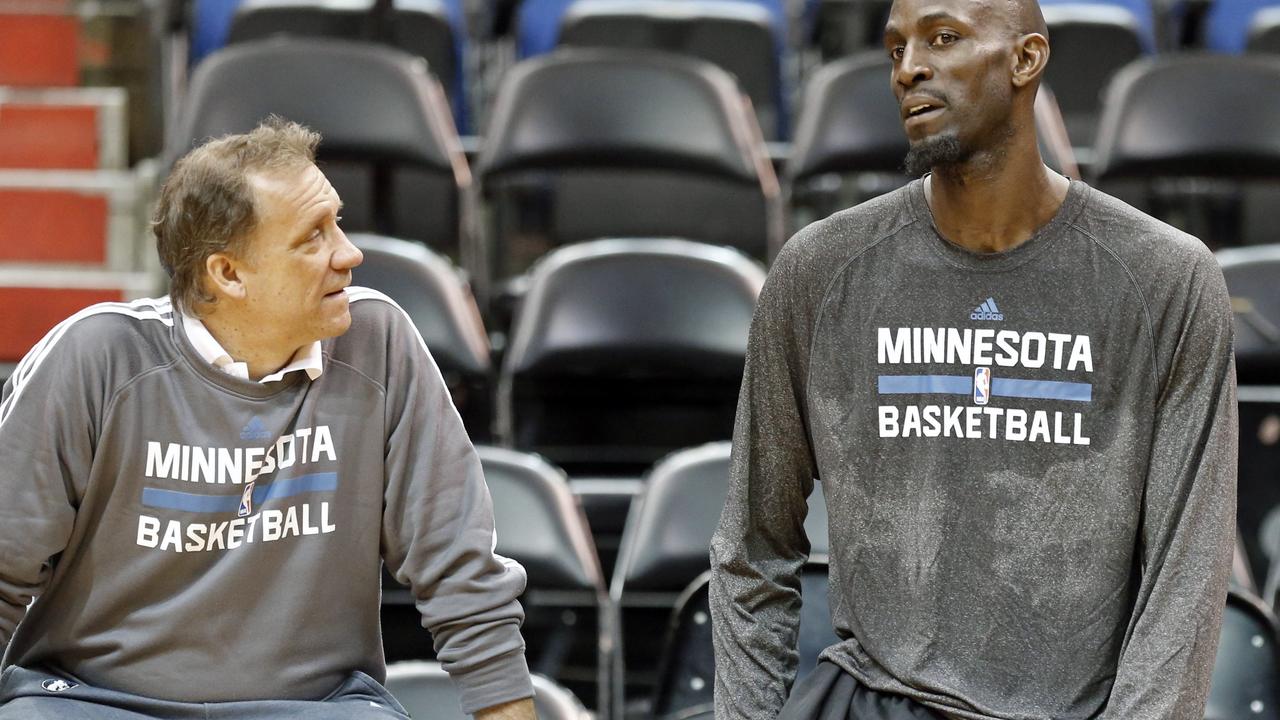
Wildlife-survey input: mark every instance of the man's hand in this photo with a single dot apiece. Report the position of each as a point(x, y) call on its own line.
point(515, 710)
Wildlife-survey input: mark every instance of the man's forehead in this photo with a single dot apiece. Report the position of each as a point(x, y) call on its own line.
point(908, 13)
point(298, 190)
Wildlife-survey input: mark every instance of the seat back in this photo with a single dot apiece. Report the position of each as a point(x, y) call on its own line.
point(1246, 675)
point(849, 142)
point(439, 302)
point(625, 350)
point(686, 675)
point(540, 524)
point(588, 143)
point(430, 29)
point(1190, 140)
point(1253, 279)
point(1090, 43)
point(428, 693)
point(1264, 31)
point(400, 171)
point(666, 545)
point(737, 36)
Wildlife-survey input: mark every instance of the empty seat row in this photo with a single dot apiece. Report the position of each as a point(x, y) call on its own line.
point(663, 571)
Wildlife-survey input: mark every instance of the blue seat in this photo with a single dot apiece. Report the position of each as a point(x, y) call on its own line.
point(538, 23)
point(1228, 23)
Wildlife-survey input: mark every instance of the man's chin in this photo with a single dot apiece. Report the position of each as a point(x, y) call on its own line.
point(932, 152)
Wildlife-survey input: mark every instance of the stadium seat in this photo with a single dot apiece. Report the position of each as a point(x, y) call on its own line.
point(625, 350)
point(1090, 43)
point(740, 37)
point(425, 690)
point(538, 22)
point(400, 170)
point(541, 525)
point(1140, 16)
point(1197, 117)
point(849, 142)
point(439, 302)
point(666, 546)
point(1229, 24)
point(588, 143)
point(1246, 675)
point(1253, 278)
point(430, 29)
point(1264, 31)
point(686, 676)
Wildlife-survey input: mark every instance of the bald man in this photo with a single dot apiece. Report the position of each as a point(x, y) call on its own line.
point(1019, 397)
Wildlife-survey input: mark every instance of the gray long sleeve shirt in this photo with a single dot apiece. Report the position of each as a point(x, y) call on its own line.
point(1028, 459)
point(197, 537)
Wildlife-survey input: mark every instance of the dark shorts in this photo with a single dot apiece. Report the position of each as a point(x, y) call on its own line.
point(36, 695)
point(830, 693)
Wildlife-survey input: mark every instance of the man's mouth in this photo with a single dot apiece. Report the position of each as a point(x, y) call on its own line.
point(920, 106)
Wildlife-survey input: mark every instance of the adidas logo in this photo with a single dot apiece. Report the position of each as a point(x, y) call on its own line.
point(987, 311)
point(255, 430)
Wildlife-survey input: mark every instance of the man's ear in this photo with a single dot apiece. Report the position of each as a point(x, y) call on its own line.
point(222, 276)
point(1030, 55)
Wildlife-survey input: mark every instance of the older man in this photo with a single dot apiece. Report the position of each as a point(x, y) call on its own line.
point(200, 489)
point(1018, 395)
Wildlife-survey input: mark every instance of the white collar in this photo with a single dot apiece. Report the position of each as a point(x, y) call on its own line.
point(307, 359)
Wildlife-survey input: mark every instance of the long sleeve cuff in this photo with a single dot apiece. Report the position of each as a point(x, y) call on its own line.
point(501, 680)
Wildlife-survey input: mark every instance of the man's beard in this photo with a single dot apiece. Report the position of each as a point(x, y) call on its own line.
point(937, 151)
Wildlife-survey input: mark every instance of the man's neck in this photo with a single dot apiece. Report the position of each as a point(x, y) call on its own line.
point(993, 204)
point(247, 343)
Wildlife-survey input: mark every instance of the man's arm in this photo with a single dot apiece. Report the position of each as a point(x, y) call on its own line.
point(438, 534)
point(47, 432)
point(760, 543)
point(1188, 526)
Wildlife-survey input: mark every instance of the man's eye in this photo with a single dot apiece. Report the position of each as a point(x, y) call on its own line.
point(896, 53)
point(945, 38)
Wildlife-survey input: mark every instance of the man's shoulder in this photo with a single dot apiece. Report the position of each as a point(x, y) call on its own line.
point(824, 245)
point(1149, 247)
point(378, 326)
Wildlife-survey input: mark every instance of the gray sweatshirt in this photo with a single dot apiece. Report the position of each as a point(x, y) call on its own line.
point(1028, 459)
point(196, 537)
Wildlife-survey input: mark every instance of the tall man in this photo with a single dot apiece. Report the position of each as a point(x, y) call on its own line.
point(1018, 395)
point(199, 489)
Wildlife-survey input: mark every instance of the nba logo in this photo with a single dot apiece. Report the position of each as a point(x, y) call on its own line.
point(981, 385)
point(246, 501)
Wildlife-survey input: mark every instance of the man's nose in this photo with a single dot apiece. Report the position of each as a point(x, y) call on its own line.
point(912, 68)
point(347, 255)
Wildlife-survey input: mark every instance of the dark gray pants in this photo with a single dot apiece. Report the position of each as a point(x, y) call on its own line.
point(830, 693)
point(35, 695)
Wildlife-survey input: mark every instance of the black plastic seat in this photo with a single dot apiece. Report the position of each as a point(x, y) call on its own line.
point(587, 143)
point(425, 690)
point(666, 545)
point(1253, 279)
point(1246, 675)
point(625, 350)
point(686, 675)
point(1264, 31)
point(1090, 43)
point(400, 169)
point(439, 302)
point(540, 524)
point(419, 27)
point(849, 125)
point(739, 37)
point(1192, 140)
